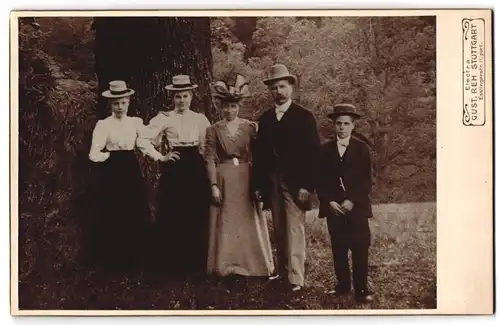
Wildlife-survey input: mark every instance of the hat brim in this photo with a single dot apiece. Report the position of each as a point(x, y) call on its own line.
point(108, 94)
point(172, 88)
point(229, 98)
point(335, 115)
point(285, 77)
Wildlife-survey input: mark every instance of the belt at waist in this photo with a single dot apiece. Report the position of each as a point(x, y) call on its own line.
point(120, 151)
point(188, 152)
point(119, 155)
point(184, 144)
point(184, 148)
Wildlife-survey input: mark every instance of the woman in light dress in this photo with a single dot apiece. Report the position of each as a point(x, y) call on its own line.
point(122, 211)
point(183, 201)
point(238, 237)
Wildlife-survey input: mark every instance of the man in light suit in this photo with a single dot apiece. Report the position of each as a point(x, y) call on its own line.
point(344, 187)
point(284, 164)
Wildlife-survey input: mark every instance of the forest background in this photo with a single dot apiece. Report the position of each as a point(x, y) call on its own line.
point(386, 66)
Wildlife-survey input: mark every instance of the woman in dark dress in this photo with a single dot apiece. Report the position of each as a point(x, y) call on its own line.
point(184, 189)
point(122, 211)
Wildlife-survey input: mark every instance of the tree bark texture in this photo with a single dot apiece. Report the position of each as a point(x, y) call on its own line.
point(147, 52)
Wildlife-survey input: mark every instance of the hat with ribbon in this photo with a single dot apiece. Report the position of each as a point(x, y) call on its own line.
point(180, 83)
point(226, 93)
point(279, 72)
point(118, 89)
point(344, 109)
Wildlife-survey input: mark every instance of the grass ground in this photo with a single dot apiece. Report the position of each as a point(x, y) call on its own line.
point(402, 275)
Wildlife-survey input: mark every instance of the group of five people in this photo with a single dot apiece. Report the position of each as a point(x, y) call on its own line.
point(216, 180)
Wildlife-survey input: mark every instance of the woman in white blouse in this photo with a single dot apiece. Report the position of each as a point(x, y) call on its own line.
point(184, 189)
point(122, 209)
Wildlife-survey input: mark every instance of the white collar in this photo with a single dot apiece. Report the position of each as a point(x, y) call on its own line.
point(344, 141)
point(119, 119)
point(284, 107)
point(188, 111)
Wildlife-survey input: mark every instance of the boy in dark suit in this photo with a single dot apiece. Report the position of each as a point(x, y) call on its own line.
point(344, 186)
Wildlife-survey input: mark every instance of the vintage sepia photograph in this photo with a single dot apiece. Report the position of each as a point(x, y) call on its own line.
point(227, 162)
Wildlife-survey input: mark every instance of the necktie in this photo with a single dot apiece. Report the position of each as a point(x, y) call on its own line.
point(342, 146)
point(279, 113)
point(343, 142)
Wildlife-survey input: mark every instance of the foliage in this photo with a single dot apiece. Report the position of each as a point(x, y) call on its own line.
point(384, 65)
point(71, 42)
point(55, 116)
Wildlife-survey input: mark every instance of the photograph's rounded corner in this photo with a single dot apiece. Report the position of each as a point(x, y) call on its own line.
point(13, 15)
point(406, 195)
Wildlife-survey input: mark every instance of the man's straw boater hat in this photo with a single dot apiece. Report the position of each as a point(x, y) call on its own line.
point(118, 89)
point(279, 72)
point(344, 109)
point(180, 83)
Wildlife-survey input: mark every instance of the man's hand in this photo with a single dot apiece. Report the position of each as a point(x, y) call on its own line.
point(347, 206)
point(303, 195)
point(258, 196)
point(336, 208)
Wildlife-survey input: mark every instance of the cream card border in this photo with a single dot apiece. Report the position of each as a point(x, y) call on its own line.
point(464, 169)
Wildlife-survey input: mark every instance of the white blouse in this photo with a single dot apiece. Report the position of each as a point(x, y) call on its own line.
point(181, 130)
point(113, 134)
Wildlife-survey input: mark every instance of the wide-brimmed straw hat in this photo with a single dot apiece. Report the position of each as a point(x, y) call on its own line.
point(180, 83)
point(279, 72)
point(118, 89)
point(344, 109)
point(221, 90)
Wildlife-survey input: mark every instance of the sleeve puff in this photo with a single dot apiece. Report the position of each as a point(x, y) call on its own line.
point(139, 127)
point(99, 138)
point(150, 135)
point(139, 122)
point(204, 124)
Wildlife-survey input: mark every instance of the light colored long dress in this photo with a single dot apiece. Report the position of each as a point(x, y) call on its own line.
point(238, 235)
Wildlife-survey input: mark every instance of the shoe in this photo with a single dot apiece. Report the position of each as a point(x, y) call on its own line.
point(338, 292)
point(364, 296)
point(275, 277)
point(297, 287)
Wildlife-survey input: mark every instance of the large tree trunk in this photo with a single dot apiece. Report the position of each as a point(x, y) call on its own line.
point(243, 28)
point(147, 52)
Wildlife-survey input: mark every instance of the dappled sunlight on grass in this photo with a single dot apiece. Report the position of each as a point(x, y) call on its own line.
point(402, 273)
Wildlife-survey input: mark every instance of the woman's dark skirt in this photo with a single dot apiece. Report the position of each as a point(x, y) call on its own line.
point(118, 231)
point(181, 244)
